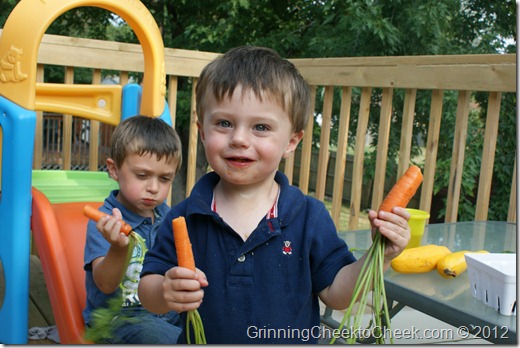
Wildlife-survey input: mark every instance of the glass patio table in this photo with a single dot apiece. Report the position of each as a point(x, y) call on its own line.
point(449, 300)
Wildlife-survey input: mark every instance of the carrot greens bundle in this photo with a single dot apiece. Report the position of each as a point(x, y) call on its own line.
point(371, 277)
point(185, 259)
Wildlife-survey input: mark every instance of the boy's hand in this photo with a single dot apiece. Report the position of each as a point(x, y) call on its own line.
point(394, 226)
point(110, 228)
point(182, 288)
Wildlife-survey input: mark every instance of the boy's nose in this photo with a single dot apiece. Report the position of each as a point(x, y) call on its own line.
point(239, 138)
point(153, 186)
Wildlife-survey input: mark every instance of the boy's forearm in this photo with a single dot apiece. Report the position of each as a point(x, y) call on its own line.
point(150, 292)
point(339, 294)
point(109, 271)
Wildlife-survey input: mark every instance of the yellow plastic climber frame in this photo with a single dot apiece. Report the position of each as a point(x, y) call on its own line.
point(19, 44)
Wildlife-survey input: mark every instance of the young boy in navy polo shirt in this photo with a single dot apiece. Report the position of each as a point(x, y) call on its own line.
point(145, 155)
point(265, 252)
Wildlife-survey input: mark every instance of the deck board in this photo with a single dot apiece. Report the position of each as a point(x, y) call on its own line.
point(40, 310)
point(38, 291)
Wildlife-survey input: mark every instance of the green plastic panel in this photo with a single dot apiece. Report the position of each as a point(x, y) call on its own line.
point(62, 186)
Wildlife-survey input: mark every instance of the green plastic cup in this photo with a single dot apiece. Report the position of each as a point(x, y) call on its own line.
point(417, 223)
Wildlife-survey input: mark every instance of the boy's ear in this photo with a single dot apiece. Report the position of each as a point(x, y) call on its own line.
point(293, 143)
point(112, 169)
point(201, 131)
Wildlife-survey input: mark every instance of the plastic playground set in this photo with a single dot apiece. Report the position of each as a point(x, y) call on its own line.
point(48, 204)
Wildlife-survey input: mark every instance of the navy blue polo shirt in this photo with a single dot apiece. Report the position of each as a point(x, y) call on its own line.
point(264, 289)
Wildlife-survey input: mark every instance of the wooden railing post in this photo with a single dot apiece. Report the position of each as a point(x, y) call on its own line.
point(511, 214)
point(457, 159)
point(382, 148)
point(359, 156)
point(432, 145)
point(405, 146)
point(341, 154)
point(305, 162)
point(67, 126)
point(488, 156)
point(93, 154)
point(192, 143)
point(323, 158)
point(38, 138)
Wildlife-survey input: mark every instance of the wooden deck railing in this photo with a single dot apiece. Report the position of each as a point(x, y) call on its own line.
point(495, 74)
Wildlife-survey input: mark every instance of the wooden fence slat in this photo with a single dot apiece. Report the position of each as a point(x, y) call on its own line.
point(511, 213)
point(93, 154)
point(123, 78)
point(341, 154)
point(405, 146)
point(289, 168)
point(38, 138)
point(382, 148)
point(324, 154)
point(432, 145)
point(67, 126)
point(359, 156)
point(173, 85)
point(488, 156)
point(457, 159)
point(305, 166)
point(192, 143)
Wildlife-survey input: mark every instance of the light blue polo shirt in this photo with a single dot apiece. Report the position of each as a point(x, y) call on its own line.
point(96, 246)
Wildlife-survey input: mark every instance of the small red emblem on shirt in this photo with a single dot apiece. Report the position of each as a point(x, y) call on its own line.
point(287, 248)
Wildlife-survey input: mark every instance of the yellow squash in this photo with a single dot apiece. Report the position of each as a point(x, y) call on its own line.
point(420, 259)
point(454, 264)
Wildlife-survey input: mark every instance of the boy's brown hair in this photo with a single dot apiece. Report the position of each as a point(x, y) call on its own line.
point(145, 135)
point(262, 71)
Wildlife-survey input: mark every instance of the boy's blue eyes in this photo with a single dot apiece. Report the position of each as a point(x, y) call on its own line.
point(227, 124)
point(224, 124)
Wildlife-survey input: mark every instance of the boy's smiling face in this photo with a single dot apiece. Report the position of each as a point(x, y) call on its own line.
point(245, 138)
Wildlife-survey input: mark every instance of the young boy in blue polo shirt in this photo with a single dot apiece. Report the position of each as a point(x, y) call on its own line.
point(265, 252)
point(145, 155)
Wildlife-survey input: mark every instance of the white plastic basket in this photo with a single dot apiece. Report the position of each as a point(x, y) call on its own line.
point(493, 280)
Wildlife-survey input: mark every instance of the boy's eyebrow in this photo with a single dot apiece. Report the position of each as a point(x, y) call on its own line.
point(171, 160)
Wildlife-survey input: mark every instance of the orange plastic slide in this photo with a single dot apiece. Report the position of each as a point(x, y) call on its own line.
point(59, 232)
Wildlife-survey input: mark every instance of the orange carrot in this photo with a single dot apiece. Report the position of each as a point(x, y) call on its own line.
point(403, 190)
point(182, 243)
point(185, 259)
point(94, 214)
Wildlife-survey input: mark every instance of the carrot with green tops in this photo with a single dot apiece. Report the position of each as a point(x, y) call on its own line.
point(185, 259)
point(94, 214)
point(371, 276)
